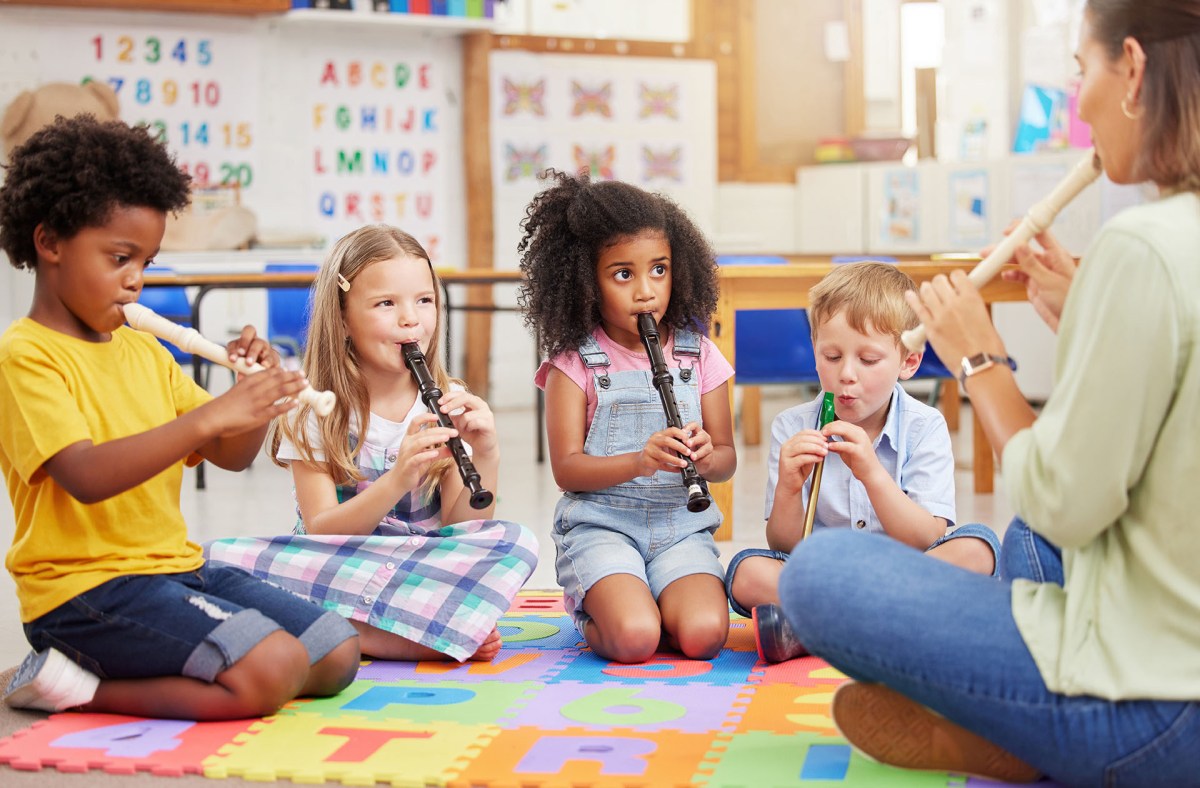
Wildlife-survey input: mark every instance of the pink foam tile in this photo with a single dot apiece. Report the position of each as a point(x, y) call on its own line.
point(118, 744)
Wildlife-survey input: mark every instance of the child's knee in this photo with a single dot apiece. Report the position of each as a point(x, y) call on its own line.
point(751, 587)
point(703, 635)
point(980, 557)
point(969, 552)
point(337, 669)
point(268, 676)
point(632, 638)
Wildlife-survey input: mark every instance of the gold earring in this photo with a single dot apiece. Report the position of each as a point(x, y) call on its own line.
point(1125, 109)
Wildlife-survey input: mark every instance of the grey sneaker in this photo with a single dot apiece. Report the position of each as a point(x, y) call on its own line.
point(773, 635)
point(49, 681)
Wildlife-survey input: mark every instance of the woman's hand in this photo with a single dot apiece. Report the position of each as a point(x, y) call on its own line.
point(955, 317)
point(423, 445)
point(1046, 275)
point(473, 419)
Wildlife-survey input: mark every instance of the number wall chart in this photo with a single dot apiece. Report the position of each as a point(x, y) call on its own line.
point(378, 144)
point(197, 89)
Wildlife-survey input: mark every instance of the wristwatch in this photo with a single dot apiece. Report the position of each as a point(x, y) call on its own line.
point(973, 365)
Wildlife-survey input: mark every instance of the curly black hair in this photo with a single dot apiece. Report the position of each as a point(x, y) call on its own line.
point(74, 172)
point(566, 227)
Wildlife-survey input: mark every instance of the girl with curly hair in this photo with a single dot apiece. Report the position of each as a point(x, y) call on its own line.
point(637, 568)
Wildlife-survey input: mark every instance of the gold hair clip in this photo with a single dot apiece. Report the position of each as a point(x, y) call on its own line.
point(343, 283)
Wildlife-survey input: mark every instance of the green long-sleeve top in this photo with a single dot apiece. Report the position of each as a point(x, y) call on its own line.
point(1110, 471)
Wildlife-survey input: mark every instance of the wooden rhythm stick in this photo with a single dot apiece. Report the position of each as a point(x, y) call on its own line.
point(189, 340)
point(1039, 217)
point(810, 511)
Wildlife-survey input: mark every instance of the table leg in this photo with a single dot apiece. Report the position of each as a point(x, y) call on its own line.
point(949, 403)
point(983, 463)
point(539, 397)
point(197, 372)
point(446, 305)
point(752, 415)
point(722, 333)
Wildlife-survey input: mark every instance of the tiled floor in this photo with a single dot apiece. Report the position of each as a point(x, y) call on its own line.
point(259, 502)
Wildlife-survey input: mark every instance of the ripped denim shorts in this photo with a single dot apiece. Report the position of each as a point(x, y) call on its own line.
point(195, 624)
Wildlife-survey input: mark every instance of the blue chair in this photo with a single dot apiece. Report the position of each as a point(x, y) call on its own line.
point(288, 311)
point(171, 303)
point(932, 368)
point(770, 346)
point(775, 346)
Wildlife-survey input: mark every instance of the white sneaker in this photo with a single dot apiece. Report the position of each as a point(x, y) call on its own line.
point(49, 681)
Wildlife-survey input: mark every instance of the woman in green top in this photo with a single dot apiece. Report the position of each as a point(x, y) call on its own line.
point(1084, 664)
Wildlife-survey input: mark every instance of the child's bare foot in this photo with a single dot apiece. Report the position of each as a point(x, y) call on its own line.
point(377, 644)
point(490, 648)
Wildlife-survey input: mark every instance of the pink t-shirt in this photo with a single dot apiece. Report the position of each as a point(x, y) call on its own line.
point(712, 368)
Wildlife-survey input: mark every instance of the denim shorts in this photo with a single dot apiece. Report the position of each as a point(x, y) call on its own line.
point(650, 535)
point(975, 530)
point(195, 624)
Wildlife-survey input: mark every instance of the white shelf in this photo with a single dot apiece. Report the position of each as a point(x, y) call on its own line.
point(426, 23)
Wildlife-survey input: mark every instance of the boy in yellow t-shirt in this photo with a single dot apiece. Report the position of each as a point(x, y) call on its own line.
point(122, 611)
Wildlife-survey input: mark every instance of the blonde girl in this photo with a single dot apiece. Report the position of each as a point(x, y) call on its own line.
point(386, 535)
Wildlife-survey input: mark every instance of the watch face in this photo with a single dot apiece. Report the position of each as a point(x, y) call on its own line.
point(976, 363)
point(981, 361)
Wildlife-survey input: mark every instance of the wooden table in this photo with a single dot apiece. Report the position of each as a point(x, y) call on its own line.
point(742, 287)
point(786, 287)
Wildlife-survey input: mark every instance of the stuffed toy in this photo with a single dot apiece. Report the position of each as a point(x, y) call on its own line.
point(227, 227)
point(201, 229)
point(33, 109)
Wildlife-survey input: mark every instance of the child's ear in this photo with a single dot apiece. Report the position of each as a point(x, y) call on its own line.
point(45, 243)
point(909, 362)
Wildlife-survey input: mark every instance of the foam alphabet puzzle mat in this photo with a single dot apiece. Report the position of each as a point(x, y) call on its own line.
point(545, 712)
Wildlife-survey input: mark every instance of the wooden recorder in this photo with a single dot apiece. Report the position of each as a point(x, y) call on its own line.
point(189, 340)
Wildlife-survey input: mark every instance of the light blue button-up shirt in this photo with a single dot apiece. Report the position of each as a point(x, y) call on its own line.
point(914, 448)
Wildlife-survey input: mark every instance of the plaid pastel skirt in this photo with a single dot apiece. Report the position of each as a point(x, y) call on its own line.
point(444, 588)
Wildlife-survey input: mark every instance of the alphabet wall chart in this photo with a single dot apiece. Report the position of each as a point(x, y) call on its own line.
point(377, 139)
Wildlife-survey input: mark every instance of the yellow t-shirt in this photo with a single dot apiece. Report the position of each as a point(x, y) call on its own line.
point(56, 390)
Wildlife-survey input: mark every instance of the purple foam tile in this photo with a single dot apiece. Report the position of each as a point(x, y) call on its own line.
point(648, 707)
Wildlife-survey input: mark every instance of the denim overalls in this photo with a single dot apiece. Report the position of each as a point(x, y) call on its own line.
point(642, 526)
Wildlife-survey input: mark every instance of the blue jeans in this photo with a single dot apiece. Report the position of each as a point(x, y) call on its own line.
point(972, 530)
point(881, 612)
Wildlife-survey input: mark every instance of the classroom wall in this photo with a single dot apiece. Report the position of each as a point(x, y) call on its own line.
point(827, 210)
